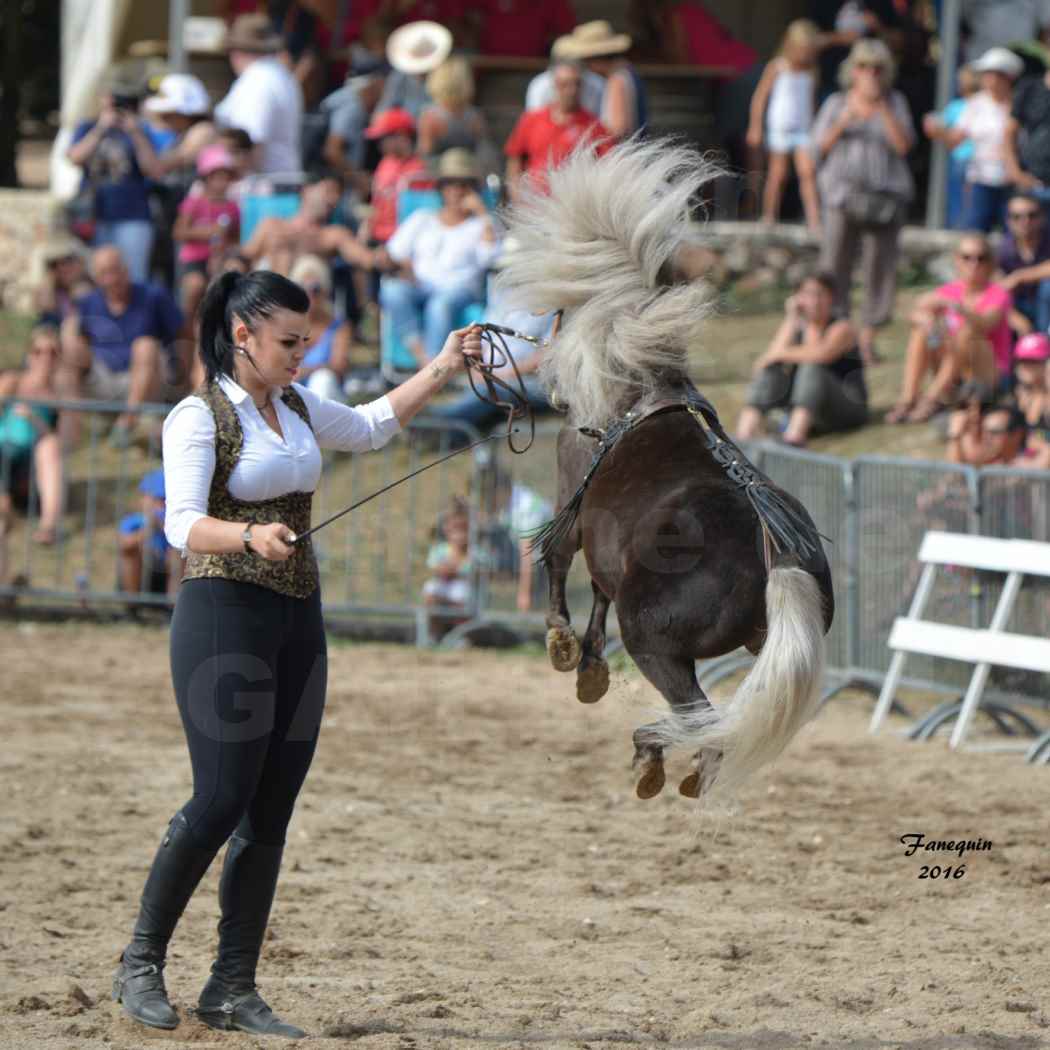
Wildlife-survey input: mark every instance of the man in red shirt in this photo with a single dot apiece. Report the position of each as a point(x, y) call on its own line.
point(543, 138)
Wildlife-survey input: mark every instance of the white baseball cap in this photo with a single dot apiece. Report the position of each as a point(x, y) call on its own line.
point(999, 60)
point(180, 93)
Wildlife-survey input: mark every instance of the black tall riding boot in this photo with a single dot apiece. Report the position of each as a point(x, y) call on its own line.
point(177, 869)
point(230, 999)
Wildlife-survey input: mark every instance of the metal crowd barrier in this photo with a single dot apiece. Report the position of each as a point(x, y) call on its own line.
point(873, 512)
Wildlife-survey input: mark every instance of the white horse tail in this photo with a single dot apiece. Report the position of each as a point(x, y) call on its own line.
point(778, 696)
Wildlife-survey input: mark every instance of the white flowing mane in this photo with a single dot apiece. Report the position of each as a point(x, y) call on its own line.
point(603, 245)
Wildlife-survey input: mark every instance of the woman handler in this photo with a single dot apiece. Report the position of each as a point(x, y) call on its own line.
point(242, 458)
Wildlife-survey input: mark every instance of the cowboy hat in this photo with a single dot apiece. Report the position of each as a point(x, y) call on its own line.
point(418, 47)
point(253, 33)
point(457, 164)
point(594, 40)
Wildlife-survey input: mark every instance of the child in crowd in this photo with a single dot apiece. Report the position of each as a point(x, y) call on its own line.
point(962, 154)
point(451, 585)
point(147, 562)
point(207, 226)
point(784, 102)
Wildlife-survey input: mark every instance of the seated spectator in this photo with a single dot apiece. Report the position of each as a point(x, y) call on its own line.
point(524, 28)
point(959, 333)
point(413, 51)
point(265, 100)
point(118, 161)
point(1024, 263)
point(985, 435)
point(451, 121)
point(983, 122)
point(395, 131)
point(64, 279)
point(1032, 390)
point(440, 258)
point(451, 584)
point(625, 106)
point(238, 143)
point(540, 92)
point(147, 563)
point(114, 347)
point(1026, 147)
point(348, 112)
point(275, 243)
point(327, 361)
point(207, 227)
point(543, 138)
point(813, 368)
point(183, 104)
point(29, 442)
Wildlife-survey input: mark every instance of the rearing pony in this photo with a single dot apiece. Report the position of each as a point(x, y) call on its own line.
point(700, 551)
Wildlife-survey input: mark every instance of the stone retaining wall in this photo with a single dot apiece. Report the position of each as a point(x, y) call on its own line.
point(26, 219)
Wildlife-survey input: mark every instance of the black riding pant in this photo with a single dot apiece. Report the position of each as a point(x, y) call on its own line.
point(249, 667)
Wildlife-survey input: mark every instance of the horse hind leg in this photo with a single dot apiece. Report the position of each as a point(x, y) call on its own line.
point(696, 783)
point(592, 676)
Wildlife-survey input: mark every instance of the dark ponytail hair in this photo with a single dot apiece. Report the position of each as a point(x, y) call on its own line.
point(249, 296)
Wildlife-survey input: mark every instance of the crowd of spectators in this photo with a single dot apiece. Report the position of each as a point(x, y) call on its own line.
point(179, 187)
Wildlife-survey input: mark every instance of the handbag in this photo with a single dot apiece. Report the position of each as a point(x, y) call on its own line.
point(80, 213)
point(872, 207)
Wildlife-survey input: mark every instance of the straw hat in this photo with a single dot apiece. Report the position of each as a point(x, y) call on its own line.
point(253, 33)
point(457, 164)
point(418, 47)
point(594, 40)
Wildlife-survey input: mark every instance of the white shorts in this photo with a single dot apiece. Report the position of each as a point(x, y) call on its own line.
point(448, 592)
point(778, 141)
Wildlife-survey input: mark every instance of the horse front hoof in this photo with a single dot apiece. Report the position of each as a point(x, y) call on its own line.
point(690, 787)
point(563, 648)
point(592, 682)
point(652, 780)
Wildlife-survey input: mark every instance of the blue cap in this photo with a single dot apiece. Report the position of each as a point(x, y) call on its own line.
point(153, 484)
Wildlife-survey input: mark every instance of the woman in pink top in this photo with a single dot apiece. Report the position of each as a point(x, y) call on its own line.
point(959, 333)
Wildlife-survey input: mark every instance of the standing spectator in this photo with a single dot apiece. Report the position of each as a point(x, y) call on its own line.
point(960, 334)
point(983, 122)
point(209, 224)
point(962, 154)
point(1024, 262)
point(146, 561)
point(1027, 146)
point(118, 161)
point(348, 113)
point(29, 442)
point(414, 50)
point(451, 121)
point(999, 23)
point(265, 100)
point(326, 363)
point(63, 281)
point(540, 92)
point(861, 137)
point(813, 368)
point(625, 106)
point(440, 258)
point(114, 347)
point(543, 138)
point(782, 117)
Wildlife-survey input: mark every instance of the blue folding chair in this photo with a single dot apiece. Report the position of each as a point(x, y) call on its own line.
point(396, 361)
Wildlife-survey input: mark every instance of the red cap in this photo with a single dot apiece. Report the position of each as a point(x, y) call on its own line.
point(391, 122)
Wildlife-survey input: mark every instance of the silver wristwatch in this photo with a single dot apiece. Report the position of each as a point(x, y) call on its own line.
point(246, 536)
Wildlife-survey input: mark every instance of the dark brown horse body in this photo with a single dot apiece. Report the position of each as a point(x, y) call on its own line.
point(677, 545)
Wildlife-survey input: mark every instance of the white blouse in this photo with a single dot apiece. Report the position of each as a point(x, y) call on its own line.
point(268, 466)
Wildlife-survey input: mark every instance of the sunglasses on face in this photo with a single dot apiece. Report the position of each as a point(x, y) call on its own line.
point(871, 67)
point(973, 257)
point(1024, 216)
point(996, 431)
